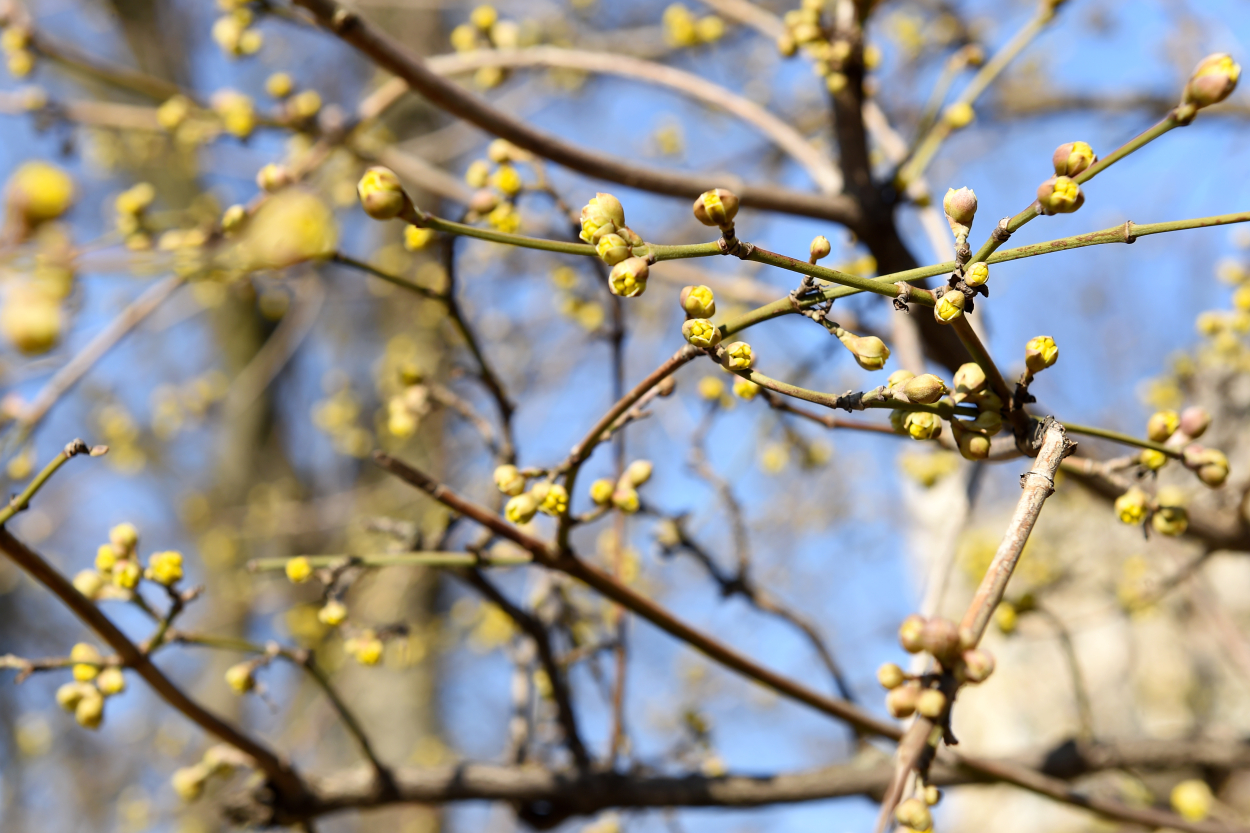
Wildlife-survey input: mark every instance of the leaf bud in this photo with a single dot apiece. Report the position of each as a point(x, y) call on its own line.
point(977, 274)
point(698, 301)
point(820, 248)
point(716, 208)
point(931, 703)
point(739, 356)
point(925, 389)
point(1151, 459)
point(1131, 506)
point(1194, 421)
point(899, 377)
point(701, 333)
point(901, 701)
point(1060, 195)
point(628, 278)
point(299, 569)
point(1212, 81)
point(949, 307)
point(637, 473)
point(869, 352)
point(978, 665)
point(891, 676)
point(612, 248)
point(914, 814)
point(1161, 425)
point(381, 194)
point(922, 425)
point(1040, 352)
point(911, 634)
point(1071, 158)
point(960, 208)
point(601, 491)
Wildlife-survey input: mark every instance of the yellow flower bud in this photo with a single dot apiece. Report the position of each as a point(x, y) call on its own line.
point(273, 177)
point(1071, 158)
point(711, 387)
point(869, 352)
point(124, 537)
point(173, 112)
point(555, 502)
point(787, 45)
point(628, 279)
point(1151, 459)
point(1210, 464)
point(236, 111)
point(292, 226)
point(381, 194)
point(105, 557)
point(739, 356)
point(921, 425)
point(931, 704)
point(126, 575)
point(508, 480)
point(1161, 425)
point(1192, 799)
point(602, 210)
point(701, 333)
point(601, 491)
point(913, 813)
point(1212, 81)
point(973, 446)
point(949, 307)
point(625, 499)
point(745, 389)
point(87, 654)
point(478, 174)
point(820, 248)
point(637, 473)
point(890, 676)
point(911, 633)
point(1006, 617)
point(924, 389)
point(21, 63)
point(90, 709)
point(305, 105)
point(932, 795)
point(232, 219)
point(1171, 517)
point(1060, 195)
point(1131, 506)
point(969, 381)
point(165, 568)
point(507, 179)
point(716, 208)
point(68, 695)
point(612, 249)
point(89, 583)
point(521, 509)
point(136, 199)
point(241, 678)
point(464, 38)
point(899, 377)
point(188, 782)
point(111, 681)
point(901, 701)
point(698, 302)
point(417, 238)
point(1040, 353)
point(299, 569)
point(977, 274)
point(279, 85)
point(483, 17)
point(959, 115)
point(31, 319)
point(38, 192)
point(332, 613)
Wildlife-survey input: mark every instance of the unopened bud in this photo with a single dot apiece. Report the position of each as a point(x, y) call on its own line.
point(1131, 506)
point(701, 333)
point(273, 177)
point(1194, 421)
point(931, 704)
point(1161, 425)
point(626, 500)
point(890, 676)
point(988, 422)
point(969, 381)
point(69, 695)
point(870, 352)
point(601, 492)
point(521, 509)
point(899, 377)
point(232, 219)
point(739, 356)
point(698, 302)
point(940, 637)
point(602, 210)
point(612, 249)
point(637, 473)
point(1212, 81)
point(901, 701)
point(922, 425)
point(240, 678)
point(925, 389)
point(716, 208)
point(1060, 195)
point(911, 634)
point(1040, 353)
point(932, 795)
point(628, 278)
point(555, 500)
point(914, 814)
point(960, 208)
point(977, 274)
point(959, 115)
point(973, 446)
point(1151, 459)
point(381, 194)
point(949, 307)
point(978, 665)
point(820, 248)
point(1171, 517)
point(90, 709)
point(1071, 158)
point(1210, 464)
point(508, 480)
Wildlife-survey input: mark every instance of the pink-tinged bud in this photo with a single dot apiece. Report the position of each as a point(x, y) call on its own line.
point(1210, 464)
point(901, 701)
point(716, 208)
point(1213, 80)
point(978, 665)
point(960, 207)
point(1194, 421)
point(1060, 195)
point(940, 637)
point(911, 634)
point(820, 248)
point(1071, 158)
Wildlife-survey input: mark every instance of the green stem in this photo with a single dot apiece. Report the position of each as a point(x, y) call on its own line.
point(1123, 439)
point(852, 401)
point(420, 218)
point(878, 285)
point(21, 501)
point(411, 559)
point(972, 342)
point(404, 283)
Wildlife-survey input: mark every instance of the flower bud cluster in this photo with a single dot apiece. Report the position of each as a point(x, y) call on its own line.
point(623, 493)
point(682, 28)
point(603, 226)
point(19, 56)
point(189, 782)
point(94, 680)
point(234, 34)
point(365, 647)
point(485, 30)
point(118, 571)
point(131, 207)
point(545, 496)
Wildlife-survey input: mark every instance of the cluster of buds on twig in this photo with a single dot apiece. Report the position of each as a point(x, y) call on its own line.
point(94, 680)
point(1166, 513)
point(718, 208)
point(1178, 431)
point(622, 494)
point(234, 33)
point(486, 31)
point(1061, 194)
point(925, 389)
point(524, 503)
point(805, 30)
point(971, 387)
point(118, 570)
point(603, 226)
point(923, 694)
point(220, 760)
point(1212, 81)
point(498, 182)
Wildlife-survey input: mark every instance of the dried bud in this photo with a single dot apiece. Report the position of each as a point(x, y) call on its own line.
point(931, 704)
point(1060, 195)
point(911, 634)
point(960, 208)
point(949, 307)
point(612, 249)
point(1071, 158)
point(601, 491)
point(1131, 506)
point(978, 665)
point(381, 194)
point(940, 637)
point(508, 480)
point(890, 676)
point(1161, 425)
point(870, 352)
point(922, 425)
point(1212, 81)
point(925, 389)
point(739, 356)
point(628, 278)
point(899, 377)
point(914, 814)
point(521, 509)
point(820, 248)
point(698, 302)
point(1040, 353)
point(901, 701)
point(637, 473)
point(1194, 421)
point(969, 381)
point(716, 208)
point(977, 274)
point(701, 333)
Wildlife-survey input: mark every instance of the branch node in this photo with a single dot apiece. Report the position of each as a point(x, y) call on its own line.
point(1129, 236)
point(1001, 234)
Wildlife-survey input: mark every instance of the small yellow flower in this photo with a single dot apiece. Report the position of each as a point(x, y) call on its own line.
point(136, 199)
point(612, 249)
point(521, 509)
point(556, 501)
point(977, 274)
point(603, 210)
point(126, 574)
point(417, 238)
point(366, 648)
point(508, 480)
point(273, 177)
point(1151, 459)
point(299, 569)
point(89, 656)
point(89, 583)
point(601, 491)
point(959, 115)
point(305, 104)
point(1060, 195)
point(125, 537)
point(173, 112)
point(716, 208)
point(949, 307)
point(232, 219)
point(1131, 506)
point(701, 332)
point(333, 613)
point(698, 301)
point(165, 568)
point(241, 678)
point(739, 356)
point(105, 557)
point(90, 709)
point(1162, 424)
point(1213, 80)
point(236, 111)
point(464, 39)
point(637, 473)
point(921, 425)
point(1040, 352)
point(484, 17)
point(505, 218)
point(477, 175)
point(628, 278)
point(507, 179)
point(1072, 158)
point(1005, 617)
point(38, 192)
point(914, 813)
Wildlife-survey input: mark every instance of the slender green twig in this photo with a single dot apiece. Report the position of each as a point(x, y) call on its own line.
point(411, 559)
point(1123, 439)
point(403, 283)
point(20, 501)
